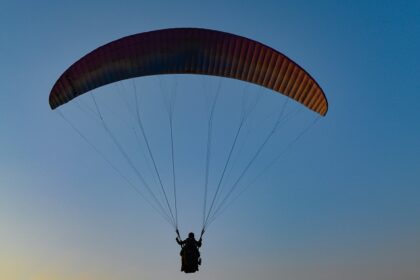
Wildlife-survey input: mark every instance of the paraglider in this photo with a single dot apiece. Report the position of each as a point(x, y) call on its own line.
point(187, 51)
point(190, 253)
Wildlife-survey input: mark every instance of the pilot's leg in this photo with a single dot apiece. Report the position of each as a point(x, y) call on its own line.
point(182, 263)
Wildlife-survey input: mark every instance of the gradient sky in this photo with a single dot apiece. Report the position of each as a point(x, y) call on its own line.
point(344, 203)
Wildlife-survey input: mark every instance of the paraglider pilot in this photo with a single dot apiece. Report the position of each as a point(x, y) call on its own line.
point(190, 255)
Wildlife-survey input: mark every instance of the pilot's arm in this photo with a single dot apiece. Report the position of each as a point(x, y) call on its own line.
point(179, 241)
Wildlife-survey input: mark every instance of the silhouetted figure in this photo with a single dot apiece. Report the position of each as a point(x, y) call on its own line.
point(190, 255)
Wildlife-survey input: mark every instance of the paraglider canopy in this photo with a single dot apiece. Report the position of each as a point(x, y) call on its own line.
point(189, 51)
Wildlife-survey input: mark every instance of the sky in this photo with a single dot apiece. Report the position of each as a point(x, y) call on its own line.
point(343, 203)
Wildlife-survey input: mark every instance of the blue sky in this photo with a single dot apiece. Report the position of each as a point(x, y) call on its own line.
point(343, 204)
